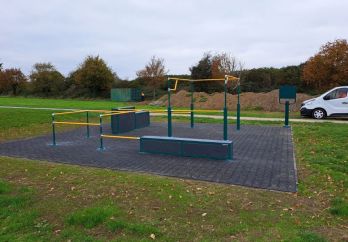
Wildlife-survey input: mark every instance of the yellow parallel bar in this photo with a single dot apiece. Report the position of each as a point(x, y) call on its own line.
point(205, 80)
point(208, 80)
point(77, 123)
point(164, 111)
point(78, 111)
point(117, 112)
point(81, 111)
point(100, 111)
point(179, 79)
point(120, 137)
point(232, 77)
point(199, 110)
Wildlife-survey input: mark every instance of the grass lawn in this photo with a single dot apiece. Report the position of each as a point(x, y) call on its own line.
point(104, 104)
point(42, 201)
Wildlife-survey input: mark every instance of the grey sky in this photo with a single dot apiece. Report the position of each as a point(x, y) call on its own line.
point(262, 33)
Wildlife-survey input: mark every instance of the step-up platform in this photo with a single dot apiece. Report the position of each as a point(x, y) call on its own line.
point(202, 148)
point(125, 122)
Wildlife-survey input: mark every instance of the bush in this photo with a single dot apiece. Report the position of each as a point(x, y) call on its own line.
point(93, 78)
point(46, 80)
point(12, 81)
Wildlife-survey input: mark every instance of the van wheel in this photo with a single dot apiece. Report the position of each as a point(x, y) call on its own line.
point(318, 113)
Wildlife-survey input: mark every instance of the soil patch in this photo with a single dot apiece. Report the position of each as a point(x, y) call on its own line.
point(249, 101)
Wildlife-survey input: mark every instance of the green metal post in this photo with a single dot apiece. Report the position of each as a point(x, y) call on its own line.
point(287, 109)
point(192, 107)
point(169, 110)
point(53, 131)
point(238, 107)
point(87, 120)
point(101, 133)
point(225, 111)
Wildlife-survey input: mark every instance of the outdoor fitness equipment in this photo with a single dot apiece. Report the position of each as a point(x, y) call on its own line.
point(140, 122)
point(192, 111)
point(87, 123)
point(126, 122)
point(215, 149)
point(287, 96)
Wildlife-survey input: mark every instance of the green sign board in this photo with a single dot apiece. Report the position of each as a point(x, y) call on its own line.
point(287, 93)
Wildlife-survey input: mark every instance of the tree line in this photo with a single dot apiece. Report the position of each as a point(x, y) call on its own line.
point(93, 78)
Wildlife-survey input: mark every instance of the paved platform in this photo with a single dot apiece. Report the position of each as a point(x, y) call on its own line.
point(263, 155)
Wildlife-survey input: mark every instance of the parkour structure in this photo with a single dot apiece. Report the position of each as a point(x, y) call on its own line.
point(122, 117)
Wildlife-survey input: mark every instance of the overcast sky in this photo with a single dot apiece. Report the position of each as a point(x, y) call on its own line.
point(261, 33)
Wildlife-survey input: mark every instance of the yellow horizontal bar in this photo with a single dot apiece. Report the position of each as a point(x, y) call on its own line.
point(200, 110)
point(204, 80)
point(117, 112)
point(120, 137)
point(82, 111)
point(100, 111)
point(164, 111)
point(77, 123)
point(232, 77)
point(208, 80)
point(71, 112)
point(179, 79)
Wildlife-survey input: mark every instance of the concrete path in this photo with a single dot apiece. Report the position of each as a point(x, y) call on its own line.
point(35, 108)
point(297, 120)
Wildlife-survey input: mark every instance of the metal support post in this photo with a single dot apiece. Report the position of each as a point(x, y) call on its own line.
point(101, 132)
point(225, 110)
point(286, 118)
point(87, 121)
point(238, 107)
point(192, 106)
point(53, 131)
point(169, 115)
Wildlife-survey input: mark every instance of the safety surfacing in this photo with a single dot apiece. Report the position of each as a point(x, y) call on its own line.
point(263, 155)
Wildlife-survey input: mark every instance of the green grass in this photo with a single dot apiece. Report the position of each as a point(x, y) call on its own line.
point(108, 105)
point(307, 236)
point(339, 207)
point(60, 103)
point(137, 228)
point(21, 123)
point(41, 201)
point(17, 220)
point(91, 217)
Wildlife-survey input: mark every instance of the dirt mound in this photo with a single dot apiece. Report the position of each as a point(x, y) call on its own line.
point(249, 101)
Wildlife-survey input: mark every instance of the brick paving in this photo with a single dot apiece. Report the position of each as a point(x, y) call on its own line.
point(263, 155)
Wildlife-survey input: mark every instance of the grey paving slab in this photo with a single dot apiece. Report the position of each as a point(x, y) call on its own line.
point(263, 155)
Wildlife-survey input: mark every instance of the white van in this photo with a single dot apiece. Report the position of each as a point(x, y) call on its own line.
point(333, 103)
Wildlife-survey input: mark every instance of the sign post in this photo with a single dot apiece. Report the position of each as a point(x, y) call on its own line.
point(287, 96)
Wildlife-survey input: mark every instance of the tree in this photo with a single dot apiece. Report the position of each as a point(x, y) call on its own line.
point(203, 68)
point(214, 67)
point(329, 67)
point(12, 81)
point(223, 64)
point(46, 80)
point(153, 73)
point(93, 77)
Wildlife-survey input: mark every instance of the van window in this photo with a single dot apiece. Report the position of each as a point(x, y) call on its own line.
point(338, 93)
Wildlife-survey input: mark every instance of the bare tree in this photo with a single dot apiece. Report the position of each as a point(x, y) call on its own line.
point(223, 64)
point(153, 73)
